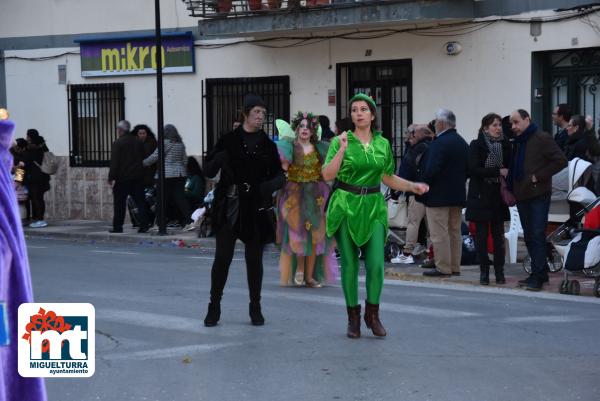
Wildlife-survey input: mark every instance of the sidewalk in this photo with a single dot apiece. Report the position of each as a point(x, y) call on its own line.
point(87, 230)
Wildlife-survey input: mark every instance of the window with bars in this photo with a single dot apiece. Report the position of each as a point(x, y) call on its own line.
point(389, 83)
point(94, 111)
point(224, 102)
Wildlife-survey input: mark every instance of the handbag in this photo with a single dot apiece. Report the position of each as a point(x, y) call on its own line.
point(398, 212)
point(232, 205)
point(507, 196)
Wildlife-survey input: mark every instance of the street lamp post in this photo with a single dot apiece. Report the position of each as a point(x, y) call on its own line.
point(159, 113)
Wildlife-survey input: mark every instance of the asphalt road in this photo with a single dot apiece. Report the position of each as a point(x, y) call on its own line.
point(444, 342)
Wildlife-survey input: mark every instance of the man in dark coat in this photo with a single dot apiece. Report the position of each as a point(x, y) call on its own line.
point(536, 158)
point(561, 117)
point(126, 175)
point(446, 167)
point(420, 139)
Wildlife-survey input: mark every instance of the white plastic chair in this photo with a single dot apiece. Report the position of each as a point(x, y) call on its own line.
point(514, 232)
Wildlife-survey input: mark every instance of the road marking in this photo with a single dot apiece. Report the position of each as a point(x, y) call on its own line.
point(164, 321)
point(36, 247)
point(545, 319)
point(174, 352)
point(491, 290)
point(117, 252)
point(309, 296)
point(213, 258)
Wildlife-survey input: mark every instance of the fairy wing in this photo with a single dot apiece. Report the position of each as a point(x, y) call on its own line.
point(284, 129)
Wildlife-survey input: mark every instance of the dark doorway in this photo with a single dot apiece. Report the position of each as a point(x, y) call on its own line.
point(224, 100)
point(571, 77)
point(389, 83)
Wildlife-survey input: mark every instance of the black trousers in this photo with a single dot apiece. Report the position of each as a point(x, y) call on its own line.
point(497, 229)
point(175, 196)
point(225, 244)
point(135, 189)
point(38, 206)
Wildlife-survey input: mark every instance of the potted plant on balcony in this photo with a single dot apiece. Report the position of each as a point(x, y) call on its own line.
point(274, 4)
point(314, 3)
point(224, 6)
point(255, 5)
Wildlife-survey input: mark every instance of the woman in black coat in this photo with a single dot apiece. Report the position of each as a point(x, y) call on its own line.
point(250, 173)
point(38, 182)
point(489, 156)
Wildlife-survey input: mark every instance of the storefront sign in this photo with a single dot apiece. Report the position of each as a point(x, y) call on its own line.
point(136, 56)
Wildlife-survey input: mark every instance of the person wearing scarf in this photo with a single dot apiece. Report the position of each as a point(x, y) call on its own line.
point(489, 158)
point(535, 159)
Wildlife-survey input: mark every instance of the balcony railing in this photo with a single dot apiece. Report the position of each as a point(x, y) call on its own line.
point(216, 9)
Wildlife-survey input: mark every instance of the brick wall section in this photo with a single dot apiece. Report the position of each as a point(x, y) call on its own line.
point(79, 193)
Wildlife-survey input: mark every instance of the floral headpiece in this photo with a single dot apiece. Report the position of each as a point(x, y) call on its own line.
point(313, 121)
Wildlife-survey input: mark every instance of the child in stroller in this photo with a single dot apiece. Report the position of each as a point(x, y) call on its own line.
point(580, 253)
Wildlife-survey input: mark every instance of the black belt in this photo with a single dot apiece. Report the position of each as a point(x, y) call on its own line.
point(356, 189)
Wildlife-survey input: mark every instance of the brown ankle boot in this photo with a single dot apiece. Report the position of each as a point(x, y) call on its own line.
point(372, 319)
point(353, 321)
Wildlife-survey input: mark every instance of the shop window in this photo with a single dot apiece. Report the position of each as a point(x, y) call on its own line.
point(94, 111)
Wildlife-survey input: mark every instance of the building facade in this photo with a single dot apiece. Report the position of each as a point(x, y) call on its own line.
point(72, 69)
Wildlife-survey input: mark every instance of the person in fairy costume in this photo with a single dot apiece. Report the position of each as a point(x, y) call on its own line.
point(306, 253)
point(360, 160)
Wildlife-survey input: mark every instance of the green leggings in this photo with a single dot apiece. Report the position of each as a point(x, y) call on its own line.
point(373, 251)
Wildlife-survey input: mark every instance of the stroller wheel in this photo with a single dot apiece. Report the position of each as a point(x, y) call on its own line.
point(392, 250)
point(564, 287)
point(527, 264)
point(555, 262)
point(597, 288)
point(574, 287)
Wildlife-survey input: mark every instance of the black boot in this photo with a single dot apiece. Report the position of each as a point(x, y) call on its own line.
point(484, 277)
point(213, 315)
point(256, 316)
point(372, 319)
point(499, 273)
point(353, 330)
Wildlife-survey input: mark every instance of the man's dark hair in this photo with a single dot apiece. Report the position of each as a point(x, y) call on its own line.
point(564, 111)
point(524, 114)
point(345, 124)
point(324, 122)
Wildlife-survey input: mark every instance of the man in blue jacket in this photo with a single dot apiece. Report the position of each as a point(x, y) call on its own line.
point(446, 166)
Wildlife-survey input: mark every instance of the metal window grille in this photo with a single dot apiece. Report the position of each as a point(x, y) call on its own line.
point(572, 77)
point(389, 83)
point(224, 103)
point(94, 111)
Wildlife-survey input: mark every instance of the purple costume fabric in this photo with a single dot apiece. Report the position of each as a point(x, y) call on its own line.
point(15, 281)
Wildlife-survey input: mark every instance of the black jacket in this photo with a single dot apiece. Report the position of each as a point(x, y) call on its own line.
point(484, 202)
point(150, 146)
point(408, 168)
point(445, 167)
point(582, 144)
point(561, 138)
point(33, 157)
point(126, 159)
point(259, 168)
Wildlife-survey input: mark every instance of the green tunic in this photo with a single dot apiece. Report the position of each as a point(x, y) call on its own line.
point(362, 166)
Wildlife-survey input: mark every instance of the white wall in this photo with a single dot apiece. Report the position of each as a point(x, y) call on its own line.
point(59, 17)
point(493, 73)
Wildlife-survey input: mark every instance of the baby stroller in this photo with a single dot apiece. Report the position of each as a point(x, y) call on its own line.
point(580, 251)
point(150, 200)
point(397, 219)
point(576, 175)
point(205, 224)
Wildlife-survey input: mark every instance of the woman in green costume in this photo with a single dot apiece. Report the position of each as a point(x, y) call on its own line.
point(360, 161)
